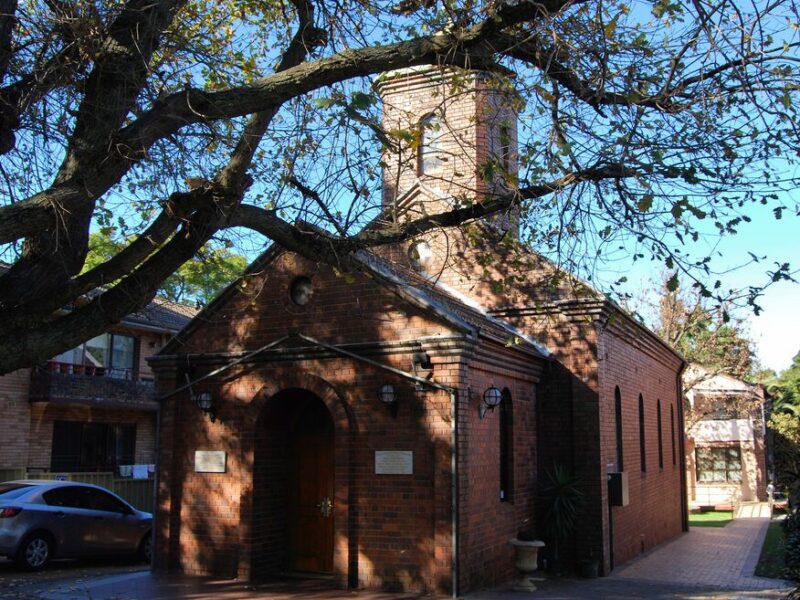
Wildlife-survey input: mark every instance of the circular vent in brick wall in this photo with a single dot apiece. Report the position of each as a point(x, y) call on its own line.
point(301, 290)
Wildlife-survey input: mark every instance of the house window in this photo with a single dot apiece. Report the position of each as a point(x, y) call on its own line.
point(115, 352)
point(618, 416)
point(92, 446)
point(431, 150)
point(719, 465)
point(506, 446)
point(660, 439)
point(642, 453)
point(672, 431)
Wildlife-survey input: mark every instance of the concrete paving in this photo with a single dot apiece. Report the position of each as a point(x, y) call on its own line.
point(706, 563)
point(753, 510)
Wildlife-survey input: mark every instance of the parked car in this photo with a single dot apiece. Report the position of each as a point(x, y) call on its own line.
point(41, 520)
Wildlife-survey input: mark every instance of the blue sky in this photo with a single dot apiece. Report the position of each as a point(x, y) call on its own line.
point(776, 331)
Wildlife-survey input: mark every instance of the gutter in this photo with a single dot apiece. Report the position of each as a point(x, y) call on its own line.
point(682, 448)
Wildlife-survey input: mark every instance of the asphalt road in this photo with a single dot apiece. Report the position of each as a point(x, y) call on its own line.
point(16, 584)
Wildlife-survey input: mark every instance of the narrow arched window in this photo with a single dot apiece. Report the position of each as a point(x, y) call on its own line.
point(431, 151)
point(672, 430)
point(642, 448)
point(505, 148)
point(506, 446)
point(618, 416)
point(660, 440)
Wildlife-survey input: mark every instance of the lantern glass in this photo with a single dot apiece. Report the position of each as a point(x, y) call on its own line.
point(492, 397)
point(386, 394)
point(205, 401)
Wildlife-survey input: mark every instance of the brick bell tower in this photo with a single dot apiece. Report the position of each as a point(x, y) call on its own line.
point(456, 134)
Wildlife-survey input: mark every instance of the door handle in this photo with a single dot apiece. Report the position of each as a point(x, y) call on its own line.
point(325, 507)
point(61, 514)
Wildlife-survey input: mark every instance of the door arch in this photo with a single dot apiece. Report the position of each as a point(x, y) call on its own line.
point(293, 517)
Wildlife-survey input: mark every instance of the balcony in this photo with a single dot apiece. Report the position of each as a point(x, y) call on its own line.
point(67, 383)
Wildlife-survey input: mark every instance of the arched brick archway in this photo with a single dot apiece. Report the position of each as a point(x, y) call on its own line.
point(320, 387)
point(264, 448)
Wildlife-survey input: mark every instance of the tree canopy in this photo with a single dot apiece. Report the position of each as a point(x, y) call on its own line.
point(703, 334)
point(644, 126)
point(784, 423)
point(196, 282)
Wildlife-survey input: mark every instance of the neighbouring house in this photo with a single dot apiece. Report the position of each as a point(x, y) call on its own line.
point(394, 426)
point(725, 439)
point(92, 409)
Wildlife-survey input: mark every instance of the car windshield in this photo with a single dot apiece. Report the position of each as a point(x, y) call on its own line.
point(10, 491)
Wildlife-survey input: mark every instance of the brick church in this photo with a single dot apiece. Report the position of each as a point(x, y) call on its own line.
point(393, 427)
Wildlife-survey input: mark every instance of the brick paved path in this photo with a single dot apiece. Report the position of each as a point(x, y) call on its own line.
point(721, 557)
point(707, 562)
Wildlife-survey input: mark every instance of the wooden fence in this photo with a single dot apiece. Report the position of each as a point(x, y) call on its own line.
point(138, 492)
point(12, 474)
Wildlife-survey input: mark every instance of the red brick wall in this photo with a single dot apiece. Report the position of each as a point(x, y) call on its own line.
point(15, 421)
point(570, 423)
point(638, 366)
point(392, 531)
point(343, 309)
point(487, 524)
point(471, 109)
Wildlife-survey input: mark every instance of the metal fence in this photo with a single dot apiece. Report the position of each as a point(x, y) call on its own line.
point(138, 492)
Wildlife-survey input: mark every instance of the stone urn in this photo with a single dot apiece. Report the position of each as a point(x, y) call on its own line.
point(526, 555)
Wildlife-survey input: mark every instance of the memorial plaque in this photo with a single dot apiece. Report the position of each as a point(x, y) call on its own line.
point(394, 462)
point(209, 461)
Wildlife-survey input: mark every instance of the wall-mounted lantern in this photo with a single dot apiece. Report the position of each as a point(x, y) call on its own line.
point(205, 402)
point(388, 396)
point(491, 399)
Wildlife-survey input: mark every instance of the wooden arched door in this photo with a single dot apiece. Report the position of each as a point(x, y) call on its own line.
point(311, 489)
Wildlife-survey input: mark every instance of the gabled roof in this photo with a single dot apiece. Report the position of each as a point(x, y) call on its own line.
point(427, 295)
point(453, 305)
point(704, 381)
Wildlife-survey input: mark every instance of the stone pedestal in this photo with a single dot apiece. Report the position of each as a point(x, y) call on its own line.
point(526, 555)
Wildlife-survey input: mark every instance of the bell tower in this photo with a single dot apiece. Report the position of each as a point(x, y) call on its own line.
point(455, 134)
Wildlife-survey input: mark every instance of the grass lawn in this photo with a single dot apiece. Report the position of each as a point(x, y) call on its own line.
point(712, 518)
point(770, 563)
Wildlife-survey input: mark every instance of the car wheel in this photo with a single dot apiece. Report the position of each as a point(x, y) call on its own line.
point(146, 548)
point(35, 551)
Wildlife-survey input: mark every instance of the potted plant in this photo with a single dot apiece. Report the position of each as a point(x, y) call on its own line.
point(562, 499)
point(526, 558)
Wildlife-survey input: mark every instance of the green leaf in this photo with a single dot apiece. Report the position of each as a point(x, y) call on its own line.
point(362, 101)
point(324, 102)
point(672, 283)
point(645, 203)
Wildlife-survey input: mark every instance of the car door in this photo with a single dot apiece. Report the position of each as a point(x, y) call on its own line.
point(118, 530)
point(69, 519)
